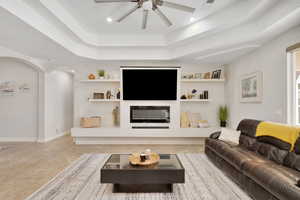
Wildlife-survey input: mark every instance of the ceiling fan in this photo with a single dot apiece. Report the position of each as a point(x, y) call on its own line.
point(154, 5)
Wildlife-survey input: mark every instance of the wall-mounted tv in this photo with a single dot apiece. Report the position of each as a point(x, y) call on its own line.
point(149, 84)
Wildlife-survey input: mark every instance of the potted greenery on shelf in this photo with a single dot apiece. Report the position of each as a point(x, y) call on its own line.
point(101, 73)
point(223, 115)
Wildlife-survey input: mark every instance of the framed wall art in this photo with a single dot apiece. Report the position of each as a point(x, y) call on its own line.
point(251, 88)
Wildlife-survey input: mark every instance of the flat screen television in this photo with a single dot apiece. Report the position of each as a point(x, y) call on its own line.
point(149, 84)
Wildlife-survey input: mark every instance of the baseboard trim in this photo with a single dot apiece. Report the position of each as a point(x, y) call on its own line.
point(54, 137)
point(18, 139)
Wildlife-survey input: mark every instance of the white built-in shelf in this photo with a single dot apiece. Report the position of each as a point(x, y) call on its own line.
point(195, 100)
point(202, 80)
point(104, 100)
point(101, 81)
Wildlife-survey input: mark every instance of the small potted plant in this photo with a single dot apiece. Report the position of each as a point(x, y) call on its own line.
point(223, 115)
point(101, 73)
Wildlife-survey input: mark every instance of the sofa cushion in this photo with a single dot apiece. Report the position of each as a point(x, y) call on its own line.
point(219, 145)
point(248, 127)
point(278, 180)
point(230, 135)
point(292, 160)
point(215, 135)
point(297, 146)
point(238, 156)
point(248, 142)
point(272, 153)
point(234, 154)
point(275, 142)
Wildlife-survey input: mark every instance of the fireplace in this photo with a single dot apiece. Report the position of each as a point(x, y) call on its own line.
point(150, 116)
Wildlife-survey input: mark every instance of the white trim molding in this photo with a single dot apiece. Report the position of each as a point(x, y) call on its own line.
point(18, 139)
point(48, 139)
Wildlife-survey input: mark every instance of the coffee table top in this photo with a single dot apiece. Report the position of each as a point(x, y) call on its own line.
point(121, 162)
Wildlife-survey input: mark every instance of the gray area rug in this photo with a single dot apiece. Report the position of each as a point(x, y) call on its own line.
point(81, 180)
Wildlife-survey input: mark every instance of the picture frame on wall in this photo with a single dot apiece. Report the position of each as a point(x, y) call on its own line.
point(251, 88)
point(8, 88)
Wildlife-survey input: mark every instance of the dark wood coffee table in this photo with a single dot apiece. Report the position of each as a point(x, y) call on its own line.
point(132, 179)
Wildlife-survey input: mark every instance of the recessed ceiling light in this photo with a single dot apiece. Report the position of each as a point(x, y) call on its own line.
point(192, 19)
point(109, 20)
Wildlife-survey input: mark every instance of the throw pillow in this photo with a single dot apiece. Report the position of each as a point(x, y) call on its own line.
point(230, 135)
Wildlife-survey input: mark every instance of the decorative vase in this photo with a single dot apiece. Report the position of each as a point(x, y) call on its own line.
point(223, 123)
point(92, 77)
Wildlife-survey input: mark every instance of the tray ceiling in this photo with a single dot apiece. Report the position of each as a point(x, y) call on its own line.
point(221, 31)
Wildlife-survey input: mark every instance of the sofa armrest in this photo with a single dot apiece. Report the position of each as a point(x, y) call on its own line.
point(215, 135)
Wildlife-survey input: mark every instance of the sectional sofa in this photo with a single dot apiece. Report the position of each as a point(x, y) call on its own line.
point(265, 167)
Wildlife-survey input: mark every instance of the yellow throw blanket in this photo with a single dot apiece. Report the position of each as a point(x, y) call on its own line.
point(282, 132)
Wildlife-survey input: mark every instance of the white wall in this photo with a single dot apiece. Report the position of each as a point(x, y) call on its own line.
point(18, 113)
point(83, 91)
point(59, 104)
point(271, 59)
point(298, 60)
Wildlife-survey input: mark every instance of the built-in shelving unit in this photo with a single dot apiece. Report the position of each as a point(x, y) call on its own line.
point(125, 135)
point(101, 81)
point(202, 80)
point(195, 100)
point(104, 100)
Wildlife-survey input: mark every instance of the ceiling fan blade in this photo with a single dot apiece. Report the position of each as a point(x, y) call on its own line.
point(145, 19)
point(128, 13)
point(113, 1)
point(162, 16)
point(176, 6)
point(210, 1)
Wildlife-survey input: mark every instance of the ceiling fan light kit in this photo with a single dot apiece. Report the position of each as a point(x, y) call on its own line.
point(155, 7)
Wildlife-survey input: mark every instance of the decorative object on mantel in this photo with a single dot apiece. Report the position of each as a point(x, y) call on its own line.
point(207, 75)
point(203, 124)
point(118, 94)
point(144, 159)
point(108, 94)
point(216, 74)
point(203, 95)
point(91, 77)
point(251, 87)
point(183, 97)
point(90, 122)
point(184, 120)
point(223, 115)
point(194, 119)
point(116, 116)
point(97, 95)
point(101, 73)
